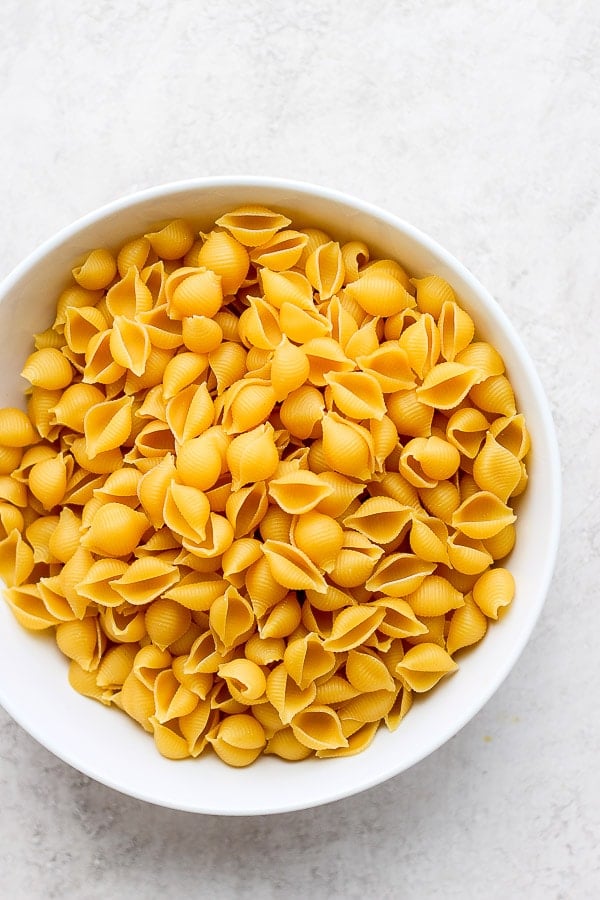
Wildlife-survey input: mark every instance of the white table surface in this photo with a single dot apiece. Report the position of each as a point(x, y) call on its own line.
point(479, 122)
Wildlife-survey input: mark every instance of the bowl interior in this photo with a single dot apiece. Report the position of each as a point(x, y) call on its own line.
point(107, 745)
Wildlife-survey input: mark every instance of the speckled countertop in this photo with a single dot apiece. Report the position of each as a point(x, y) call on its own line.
point(479, 123)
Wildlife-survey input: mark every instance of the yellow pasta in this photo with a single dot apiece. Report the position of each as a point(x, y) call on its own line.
point(261, 486)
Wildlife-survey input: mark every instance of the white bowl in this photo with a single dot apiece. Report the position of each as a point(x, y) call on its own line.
point(109, 747)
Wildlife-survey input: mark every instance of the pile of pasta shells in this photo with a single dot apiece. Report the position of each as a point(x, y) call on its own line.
point(262, 487)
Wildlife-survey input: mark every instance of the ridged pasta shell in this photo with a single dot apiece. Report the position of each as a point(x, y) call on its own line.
point(246, 508)
point(137, 701)
point(82, 641)
point(286, 287)
point(38, 534)
point(482, 515)
point(97, 583)
point(253, 456)
point(466, 430)
point(245, 679)
point(369, 707)
point(320, 537)
point(493, 591)
point(13, 491)
point(428, 537)
point(201, 334)
point(228, 363)
point(48, 480)
point(483, 357)
point(16, 428)
point(264, 591)
point(168, 742)
point(496, 469)
point(107, 425)
point(231, 620)
point(74, 296)
point(325, 357)
point(259, 325)
point(423, 666)
point(282, 619)
point(280, 252)
point(348, 447)
point(115, 666)
point(173, 240)
point(447, 384)
point(352, 626)
point(325, 269)
point(238, 740)
point(285, 744)
point(435, 596)
point(285, 695)
point(400, 620)
point(193, 291)
point(16, 559)
point(468, 625)
point(302, 410)
point(129, 344)
point(467, 555)
point(253, 225)
point(190, 412)
point(357, 394)
point(319, 728)
point(123, 625)
point(302, 324)
point(97, 271)
point(100, 367)
point(511, 433)
point(392, 268)
point(145, 580)
point(366, 672)
point(299, 492)
point(292, 568)
point(456, 329)
point(200, 460)
point(166, 621)
point(81, 324)
point(153, 374)
point(48, 368)
point(130, 296)
point(422, 343)
point(432, 293)
point(10, 457)
point(73, 404)
point(411, 417)
point(10, 518)
point(85, 683)
point(500, 545)
point(358, 741)
point(400, 574)
point(390, 366)
point(133, 254)
point(181, 371)
point(343, 323)
point(306, 660)
point(355, 254)
point(364, 341)
point(264, 651)
point(172, 699)
point(441, 501)
point(225, 256)
point(116, 530)
point(246, 404)
point(355, 561)
point(186, 511)
point(289, 369)
point(494, 395)
point(381, 519)
point(379, 293)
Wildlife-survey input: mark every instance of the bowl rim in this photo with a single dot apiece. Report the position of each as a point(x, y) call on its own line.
point(551, 451)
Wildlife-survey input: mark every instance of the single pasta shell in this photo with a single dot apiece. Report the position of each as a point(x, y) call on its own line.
point(201, 334)
point(280, 252)
point(166, 621)
point(292, 568)
point(447, 384)
point(352, 626)
point(432, 293)
point(193, 292)
point(379, 294)
point(319, 728)
point(306, 660)
point(16, 429)
point(97, 271)
point(348, 447)
point(482, 515)
point(285, 744)
point(320, 537)
point(424, 665)
point(48, 368)
point(399, 574)
point(494, 395)
point(381, 519)
point(496, 469)
point(82, 641)
point(226, 257)
point(367, 673)
point(133, 254)
point(456, 329)
point(325, 269)
point(253, 456)
point(289, 369)
point(107, 425)
point(493, 591)
point(173, 240)
point(435, 596)
point(138, 701)
point(286, 287)
point(253, 225)
point(48, 481)
point(468, 625)
point(283, 619)
point(259, 325)
point(116, 530)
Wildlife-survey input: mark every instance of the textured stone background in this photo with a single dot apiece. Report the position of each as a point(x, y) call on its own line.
point(480, 123)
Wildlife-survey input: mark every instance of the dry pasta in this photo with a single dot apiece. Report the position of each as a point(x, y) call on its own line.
point(261, 487)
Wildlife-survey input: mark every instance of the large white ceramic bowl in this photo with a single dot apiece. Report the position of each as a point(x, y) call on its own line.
point(105, 744)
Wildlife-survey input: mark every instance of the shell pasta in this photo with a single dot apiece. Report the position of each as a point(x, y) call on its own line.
point(264, 487)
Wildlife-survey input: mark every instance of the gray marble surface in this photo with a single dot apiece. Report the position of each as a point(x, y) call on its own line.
point(480, 123)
